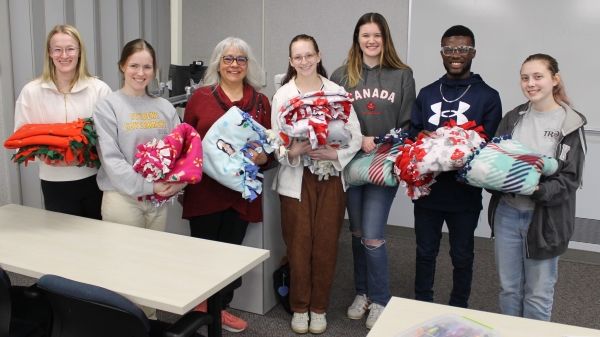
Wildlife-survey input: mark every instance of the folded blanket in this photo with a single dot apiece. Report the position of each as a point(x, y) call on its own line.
point(177, 158)
point(61, 141)
point(446, 149)
point(226, 148)
point(320, 117)
point(377, 166)
point(506, 165)
point(338, 138)
point(308, 115)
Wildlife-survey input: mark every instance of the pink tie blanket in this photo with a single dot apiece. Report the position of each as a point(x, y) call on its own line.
point(417, 164)
point(506, 165)
point(177, 158)
point(377, 166)
point(320, 117)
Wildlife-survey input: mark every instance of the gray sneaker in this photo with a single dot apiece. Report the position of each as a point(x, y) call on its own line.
point(300, 322)
point(318, 323)
point(359, 307)
point(374, 314)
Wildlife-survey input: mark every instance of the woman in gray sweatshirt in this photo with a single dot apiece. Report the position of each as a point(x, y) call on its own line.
point(383, 89)
point(531, 232)
point(123, 120)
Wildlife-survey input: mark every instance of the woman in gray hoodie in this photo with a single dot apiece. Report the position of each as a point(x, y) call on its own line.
point(383, 89)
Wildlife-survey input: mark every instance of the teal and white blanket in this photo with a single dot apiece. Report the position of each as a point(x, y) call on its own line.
point(505, 165)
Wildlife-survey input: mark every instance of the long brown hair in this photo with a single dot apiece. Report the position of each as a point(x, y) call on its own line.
point(133, 47)
point(388, 58)
point(81, 71)
point(558, 91)
point(291, 72)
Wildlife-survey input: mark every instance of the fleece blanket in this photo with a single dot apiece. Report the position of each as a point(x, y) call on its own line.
point(226, 152)
point(177, 158)
point(320, 117)
point(506, 165)
point(61, 141)
point(376, 167)
point(446, 149)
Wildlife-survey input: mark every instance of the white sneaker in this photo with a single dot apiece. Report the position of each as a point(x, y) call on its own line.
point(374, 314)
point(318, 323)
point(300, 322)
point(359, 307)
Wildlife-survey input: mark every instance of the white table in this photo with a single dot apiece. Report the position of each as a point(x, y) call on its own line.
point(401, 314)
point(166, 271)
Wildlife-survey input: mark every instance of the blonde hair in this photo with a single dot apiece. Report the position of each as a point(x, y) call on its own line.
point(388, 58)
point(81, 71)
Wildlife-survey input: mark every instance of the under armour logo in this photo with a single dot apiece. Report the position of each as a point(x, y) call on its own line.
point(460, 118)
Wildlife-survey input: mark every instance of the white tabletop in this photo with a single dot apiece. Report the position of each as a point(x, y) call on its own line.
point(161, 270)
point(401, 314)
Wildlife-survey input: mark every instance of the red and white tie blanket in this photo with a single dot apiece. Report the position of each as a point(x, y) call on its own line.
point(310, 116)
point(447, 149)
point(177, 158)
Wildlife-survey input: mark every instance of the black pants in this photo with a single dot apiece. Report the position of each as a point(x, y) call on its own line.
point(224, 226)
point(461, 231)
point(78, 197)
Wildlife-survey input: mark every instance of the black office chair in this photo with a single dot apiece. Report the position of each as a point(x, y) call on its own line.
point(23, 311)
point(82, 309)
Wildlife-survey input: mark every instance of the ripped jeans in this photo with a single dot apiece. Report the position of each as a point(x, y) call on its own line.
point(368, 209)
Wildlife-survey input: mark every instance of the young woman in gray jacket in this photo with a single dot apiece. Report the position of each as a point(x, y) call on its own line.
point(531, 232)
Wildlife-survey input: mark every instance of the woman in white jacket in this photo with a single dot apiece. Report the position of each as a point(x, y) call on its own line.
point(312, 210)
point(64, 93)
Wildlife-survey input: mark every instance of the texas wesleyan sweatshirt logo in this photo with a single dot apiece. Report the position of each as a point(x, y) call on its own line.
point(459, 114)
point(376, 93)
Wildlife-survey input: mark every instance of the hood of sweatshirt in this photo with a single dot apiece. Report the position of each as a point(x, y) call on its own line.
point(371, 76)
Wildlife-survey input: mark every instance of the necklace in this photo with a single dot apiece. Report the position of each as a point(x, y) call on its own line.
point(454, 100)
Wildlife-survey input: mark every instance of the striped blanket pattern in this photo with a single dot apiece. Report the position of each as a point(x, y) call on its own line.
point(506, 165)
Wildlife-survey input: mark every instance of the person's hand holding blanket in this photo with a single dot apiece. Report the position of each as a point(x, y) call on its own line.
point(368, 144)
point(328, 153)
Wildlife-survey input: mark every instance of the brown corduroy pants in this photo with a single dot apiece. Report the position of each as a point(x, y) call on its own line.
point(311, 229)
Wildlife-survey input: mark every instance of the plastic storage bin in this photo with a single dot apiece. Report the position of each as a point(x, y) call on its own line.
point(450, 325)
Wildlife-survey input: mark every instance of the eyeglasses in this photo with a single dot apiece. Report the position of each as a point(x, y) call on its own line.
point(241, 60)
point(71, 51)
point(308, 57)
point(462, 50)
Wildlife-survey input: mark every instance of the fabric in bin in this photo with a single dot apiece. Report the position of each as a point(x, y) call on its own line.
point(175, 159)
point(60, 141)
point(377, 166)
point(226, 148)
point(506, 165)
point(446, 149)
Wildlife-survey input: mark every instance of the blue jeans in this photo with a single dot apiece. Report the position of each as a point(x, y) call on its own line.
point(527, 285)
point(428, 231)
point(368, 209)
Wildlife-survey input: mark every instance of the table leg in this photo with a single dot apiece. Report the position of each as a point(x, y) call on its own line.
point(214, 309)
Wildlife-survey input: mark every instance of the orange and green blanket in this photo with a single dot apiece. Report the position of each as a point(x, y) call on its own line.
point(60, 141)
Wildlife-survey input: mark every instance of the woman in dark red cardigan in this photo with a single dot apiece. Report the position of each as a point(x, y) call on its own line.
point(216, 212)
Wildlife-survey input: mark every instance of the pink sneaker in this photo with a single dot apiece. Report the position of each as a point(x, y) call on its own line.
point(232, 323)
point(201, 307)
